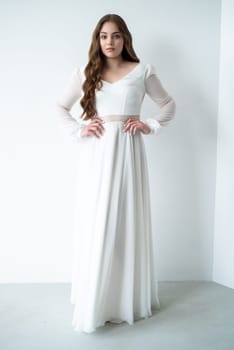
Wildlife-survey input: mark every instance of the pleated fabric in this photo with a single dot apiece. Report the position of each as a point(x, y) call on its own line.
point(114, 276)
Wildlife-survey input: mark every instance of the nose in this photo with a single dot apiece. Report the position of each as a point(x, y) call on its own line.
point(109, 40)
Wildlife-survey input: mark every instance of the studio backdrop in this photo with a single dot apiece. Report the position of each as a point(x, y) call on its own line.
point(187, 42)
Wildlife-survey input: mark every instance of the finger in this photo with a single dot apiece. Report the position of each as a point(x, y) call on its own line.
point(94, 133)
point(98, 133)
point(92, 130)
point(129, 126)
point(127, 121)
point(135, 130)
point(99, 120)
point(126, 126)
point(131, 121)
point(96, 130)
point(136, 127)
point(98, 123)
point(101, 128)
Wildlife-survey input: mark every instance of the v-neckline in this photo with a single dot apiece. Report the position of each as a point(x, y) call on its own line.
point(125, 76)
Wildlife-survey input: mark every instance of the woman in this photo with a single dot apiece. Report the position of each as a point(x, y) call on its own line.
point(113, 274)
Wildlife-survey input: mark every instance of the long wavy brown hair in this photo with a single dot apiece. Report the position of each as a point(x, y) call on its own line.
point(96, 63)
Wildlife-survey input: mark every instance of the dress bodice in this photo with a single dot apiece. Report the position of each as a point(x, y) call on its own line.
point(122, 97)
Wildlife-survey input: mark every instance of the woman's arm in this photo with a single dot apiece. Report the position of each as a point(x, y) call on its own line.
point(158, 94)
point(67, 99)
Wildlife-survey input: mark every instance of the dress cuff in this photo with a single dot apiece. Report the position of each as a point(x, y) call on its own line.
point(81, 124)
point(78, 133)
point(154, 125)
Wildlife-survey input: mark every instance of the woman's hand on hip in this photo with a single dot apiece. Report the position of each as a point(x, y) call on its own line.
point(94, 128)
point(134, 125)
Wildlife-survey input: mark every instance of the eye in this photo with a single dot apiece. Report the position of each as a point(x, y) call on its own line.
point(115, 35)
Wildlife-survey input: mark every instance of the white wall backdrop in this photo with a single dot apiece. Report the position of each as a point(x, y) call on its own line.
point(224, 224)
point(41, 42)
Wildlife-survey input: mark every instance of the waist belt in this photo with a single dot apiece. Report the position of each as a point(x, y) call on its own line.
point(118, 117)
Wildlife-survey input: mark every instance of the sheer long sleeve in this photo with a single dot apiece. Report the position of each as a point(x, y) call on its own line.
point(72, 92)
point(158, 94)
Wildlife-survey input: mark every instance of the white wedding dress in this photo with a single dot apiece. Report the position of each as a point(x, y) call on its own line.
point(113, 273)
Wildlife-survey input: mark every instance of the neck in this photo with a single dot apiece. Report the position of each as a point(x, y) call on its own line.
point(114, 62)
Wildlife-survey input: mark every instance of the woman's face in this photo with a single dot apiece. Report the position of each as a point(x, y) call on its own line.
point(110, 37)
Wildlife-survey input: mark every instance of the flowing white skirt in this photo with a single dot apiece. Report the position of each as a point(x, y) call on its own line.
point(113, 272)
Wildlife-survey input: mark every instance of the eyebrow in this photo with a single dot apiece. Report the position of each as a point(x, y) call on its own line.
point(112, 33)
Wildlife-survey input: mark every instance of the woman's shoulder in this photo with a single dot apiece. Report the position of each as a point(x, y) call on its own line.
point(149, 69)
point(79, 71)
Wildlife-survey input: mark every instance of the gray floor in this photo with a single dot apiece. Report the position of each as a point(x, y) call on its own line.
point(193, 315)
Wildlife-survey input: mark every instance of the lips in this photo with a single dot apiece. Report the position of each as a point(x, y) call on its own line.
point(110, 49)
